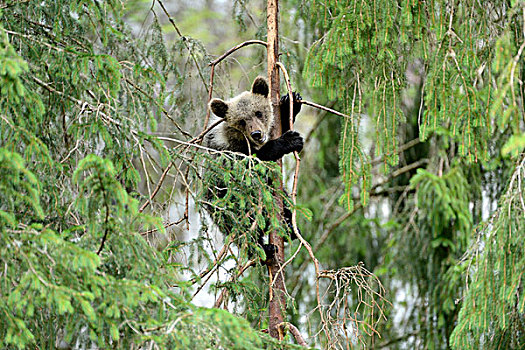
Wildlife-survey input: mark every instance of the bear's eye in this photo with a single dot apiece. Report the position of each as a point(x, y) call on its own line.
point(258, 114)
point(242, 123)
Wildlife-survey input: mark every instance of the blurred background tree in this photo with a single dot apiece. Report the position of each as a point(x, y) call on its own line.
point(104, 238)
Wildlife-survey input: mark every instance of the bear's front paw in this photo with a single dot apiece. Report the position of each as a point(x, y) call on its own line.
point(294, 140)
point(285, 99)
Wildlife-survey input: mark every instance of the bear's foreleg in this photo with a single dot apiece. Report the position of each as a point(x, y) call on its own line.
point(284, 107)
point(273, 150)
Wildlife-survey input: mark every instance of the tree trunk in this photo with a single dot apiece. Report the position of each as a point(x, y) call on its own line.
point(277, 305)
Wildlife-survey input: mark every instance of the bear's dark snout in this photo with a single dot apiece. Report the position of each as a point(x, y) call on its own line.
point(256, 135)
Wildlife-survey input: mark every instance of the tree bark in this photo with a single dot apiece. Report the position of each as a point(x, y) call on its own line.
point(277, 304)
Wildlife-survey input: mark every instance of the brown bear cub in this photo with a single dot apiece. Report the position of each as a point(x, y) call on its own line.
point(248, 120)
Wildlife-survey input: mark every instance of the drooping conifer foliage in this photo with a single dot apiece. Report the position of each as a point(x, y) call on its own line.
point(435, 85)
point(466, 53)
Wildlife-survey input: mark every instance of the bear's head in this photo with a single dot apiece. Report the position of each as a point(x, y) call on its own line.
point(250, 113)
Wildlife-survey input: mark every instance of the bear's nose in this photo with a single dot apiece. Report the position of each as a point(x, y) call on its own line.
point(256, 135)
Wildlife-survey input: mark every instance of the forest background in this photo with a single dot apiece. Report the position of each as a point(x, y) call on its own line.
point(411, 199)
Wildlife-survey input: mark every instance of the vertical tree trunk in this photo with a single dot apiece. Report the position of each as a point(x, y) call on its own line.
point(277, 296)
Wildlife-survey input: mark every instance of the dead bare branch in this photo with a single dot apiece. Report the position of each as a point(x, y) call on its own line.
point(346, 323)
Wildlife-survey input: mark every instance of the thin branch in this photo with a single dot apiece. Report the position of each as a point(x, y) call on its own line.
point(398, 339)
point(138, 88)
point(145, 233)
point(215, 262)
point(157, 188)
point(204, 132)
point(208, 109)
point(324, 108)
point(148, 180)
point(403, 170)
point(296, 173)
point(399, 150)
point(218, 258)
point(294, 199)
point(34, 39)
point(235, 48)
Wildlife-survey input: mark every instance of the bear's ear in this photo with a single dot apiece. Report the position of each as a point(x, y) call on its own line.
point(260, 86)
point(219, 107)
